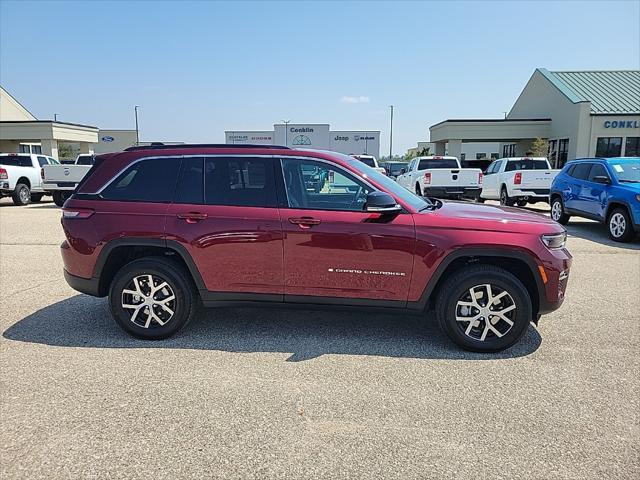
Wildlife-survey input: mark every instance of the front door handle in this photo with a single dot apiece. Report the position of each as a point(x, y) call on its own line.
point(192, 217)
point(304, 222)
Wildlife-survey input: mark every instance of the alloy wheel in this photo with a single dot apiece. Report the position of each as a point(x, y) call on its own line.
point(556, 210)
point(485, 312)
point(617, 225)
point(150, 300)
point(24, 195)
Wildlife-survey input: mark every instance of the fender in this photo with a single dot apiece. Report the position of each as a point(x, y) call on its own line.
point(429, 289)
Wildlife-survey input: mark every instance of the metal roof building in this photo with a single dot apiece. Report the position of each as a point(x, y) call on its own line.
point(581, 114)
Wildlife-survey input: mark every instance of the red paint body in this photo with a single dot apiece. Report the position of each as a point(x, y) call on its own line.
point(303, 252)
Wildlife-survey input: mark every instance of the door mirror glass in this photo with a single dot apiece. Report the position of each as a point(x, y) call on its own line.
point(381, 202)
point(602, 179)
point(403, 171)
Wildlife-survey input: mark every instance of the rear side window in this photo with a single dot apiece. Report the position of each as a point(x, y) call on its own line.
point(150, 180)
point(191, 182)
point(243, 182)
point(16, 160)
point(581, 171)
point(437, 163)
point(526, 164)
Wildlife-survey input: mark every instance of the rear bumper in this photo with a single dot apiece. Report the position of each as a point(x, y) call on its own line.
point(83, 285)
point(452, 192)
point(53, 187)
point(537, 193)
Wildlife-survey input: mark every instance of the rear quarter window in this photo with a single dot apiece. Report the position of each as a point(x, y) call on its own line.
point(152, 180)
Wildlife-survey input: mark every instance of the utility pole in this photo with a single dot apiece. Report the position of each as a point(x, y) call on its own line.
point(135, 109)
point(55, 117)
point(391, 135)
point(286, 132)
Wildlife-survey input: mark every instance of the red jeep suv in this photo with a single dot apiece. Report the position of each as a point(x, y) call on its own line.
point(164, 229)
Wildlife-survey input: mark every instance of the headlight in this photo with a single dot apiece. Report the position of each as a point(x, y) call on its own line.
point(554, 240)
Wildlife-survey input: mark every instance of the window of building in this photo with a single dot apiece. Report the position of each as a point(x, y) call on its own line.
point(145, 181)
point(563, 152)
point(480, 156)
point(24, 148)
point(494, 156)
point(36, 149)
point(463, 157)
point(581, 171)
point(509, 150)
point(609, 147)
point(243, 182)
point(632, 147)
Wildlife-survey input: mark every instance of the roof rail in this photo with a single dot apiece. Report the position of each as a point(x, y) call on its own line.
point(161, 146)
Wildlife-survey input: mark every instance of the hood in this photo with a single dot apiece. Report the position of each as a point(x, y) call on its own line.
point(477, 216)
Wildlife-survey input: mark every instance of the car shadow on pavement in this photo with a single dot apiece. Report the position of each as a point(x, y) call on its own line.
point(83, 321)
point(597, 232)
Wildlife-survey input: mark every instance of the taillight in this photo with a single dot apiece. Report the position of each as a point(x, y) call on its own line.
point(517, 178)
point(77, 212)
point(3, 174)
point(480, 176)
point(427, 178)
point(42, 173)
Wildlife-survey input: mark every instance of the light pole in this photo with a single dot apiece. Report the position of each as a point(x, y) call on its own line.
point(135, 109)
point(391, 135)
point(286, 132)
point(55, 117)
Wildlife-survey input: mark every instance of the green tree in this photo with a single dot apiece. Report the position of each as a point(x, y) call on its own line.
point(540, 147)
point(65, 151)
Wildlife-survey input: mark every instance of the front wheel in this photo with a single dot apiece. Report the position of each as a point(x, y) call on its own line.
point(483, 308)
point(557, 212)
point(418, 190)
point(152, 298)
point(619, 223)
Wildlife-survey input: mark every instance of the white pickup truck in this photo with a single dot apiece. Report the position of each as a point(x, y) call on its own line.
point(441, 177)
point(61, 180)
point(371, 161)
point(20, 176)
point(518, 180)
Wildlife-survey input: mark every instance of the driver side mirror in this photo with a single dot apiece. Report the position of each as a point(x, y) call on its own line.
point(403, 171)
point(602, 179)
point(381, 202)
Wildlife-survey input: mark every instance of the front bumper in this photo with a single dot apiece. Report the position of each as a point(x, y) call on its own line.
point(454, 193)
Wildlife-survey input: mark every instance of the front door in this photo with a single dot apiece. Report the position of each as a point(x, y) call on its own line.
point(225, 215)
point(490, 181)
point(594, 193)
point(334, 250)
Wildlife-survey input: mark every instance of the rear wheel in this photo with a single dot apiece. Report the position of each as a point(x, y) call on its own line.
point(60, 197)
point(418, 190)
point(522, 203)
point(21, 194)
point(152, 298)
point(505, 200)
point(619, 225)
point(483, 308)
point(557, 211)
point(36, 197)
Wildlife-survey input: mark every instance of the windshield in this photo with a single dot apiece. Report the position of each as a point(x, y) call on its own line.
point(428, 163)
point(16, 160)
point(526, 164)
point(626, 172)
point(389, 185)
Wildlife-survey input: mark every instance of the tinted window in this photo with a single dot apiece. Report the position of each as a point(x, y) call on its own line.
point(632, 147)
point(367, 161)
point(145, 181)
point(581, 171)
point(244, 182)
point(43, 161)
point(16, 160)
point(609, 147)
point(190, 187)
point(526, 164)
point(437, 163)
point(597, 170)
point(85, 160)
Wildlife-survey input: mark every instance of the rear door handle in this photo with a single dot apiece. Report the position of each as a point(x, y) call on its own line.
point(192, 217)
point(304, 222)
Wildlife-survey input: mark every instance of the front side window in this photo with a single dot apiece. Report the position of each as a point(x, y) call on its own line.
point(597, 170)
point(609, 147)
point(239, 181)
point(330, 188)
point(632, 147)
point(151, 180)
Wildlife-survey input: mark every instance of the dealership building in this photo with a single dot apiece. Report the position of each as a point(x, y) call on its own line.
point(580, 114)
point(311, 135)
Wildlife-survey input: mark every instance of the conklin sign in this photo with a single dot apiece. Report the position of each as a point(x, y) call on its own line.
point(622, 124)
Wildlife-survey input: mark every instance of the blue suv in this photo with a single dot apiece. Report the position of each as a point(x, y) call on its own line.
point(602, 189)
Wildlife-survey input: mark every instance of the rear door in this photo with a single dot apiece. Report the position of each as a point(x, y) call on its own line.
point(225, 215)
point(574, 198)
point(334, 251)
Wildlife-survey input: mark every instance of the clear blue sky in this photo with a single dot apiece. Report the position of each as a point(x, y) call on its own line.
point(198, 68)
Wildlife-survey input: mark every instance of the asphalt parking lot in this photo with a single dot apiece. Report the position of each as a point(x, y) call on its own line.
point(270, 393)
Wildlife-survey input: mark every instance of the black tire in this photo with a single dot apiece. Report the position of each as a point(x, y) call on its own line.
point(184, 306)
point(60, 197)
point(418, 190)
point(505, 199)
point(458, 285)
point(623, 230)
point(557, 211)
point(522, 203)
point(22, 194)
point(36, 197)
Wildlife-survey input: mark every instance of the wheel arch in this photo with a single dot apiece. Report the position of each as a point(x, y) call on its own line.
point(613, 204)
point(24, 180)
point(117, 253)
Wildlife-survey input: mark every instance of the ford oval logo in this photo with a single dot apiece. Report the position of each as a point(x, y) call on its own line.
point(66, 171)
point(107, 138)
